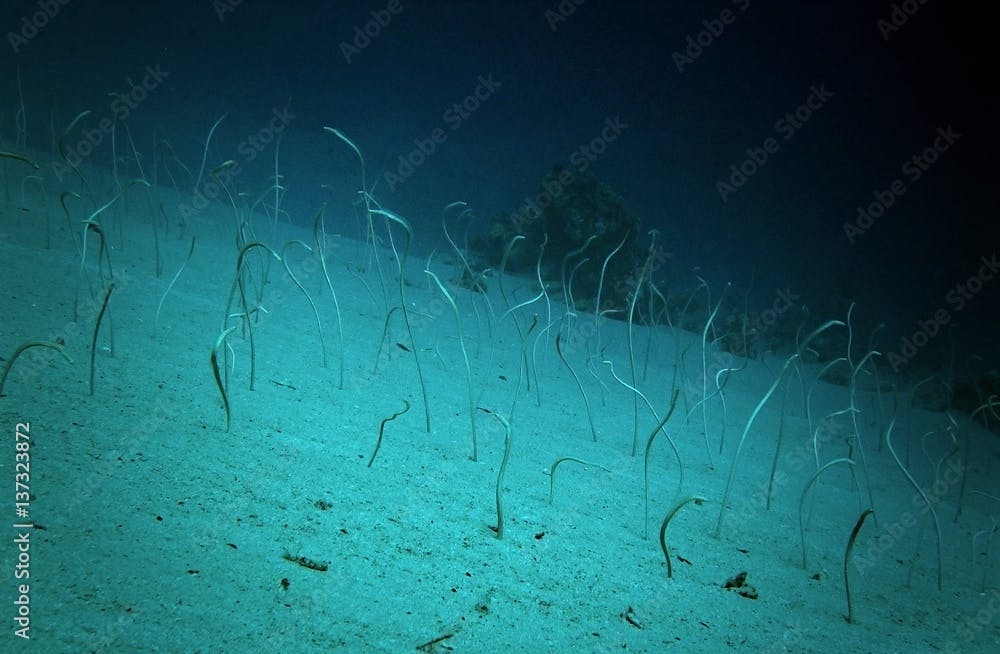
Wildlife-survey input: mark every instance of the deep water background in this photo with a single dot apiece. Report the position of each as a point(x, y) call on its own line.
point(559, 81)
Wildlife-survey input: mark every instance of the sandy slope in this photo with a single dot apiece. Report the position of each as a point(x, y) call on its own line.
point(163, 532)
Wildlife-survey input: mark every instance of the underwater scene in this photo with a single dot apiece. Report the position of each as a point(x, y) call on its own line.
point(533, 326)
